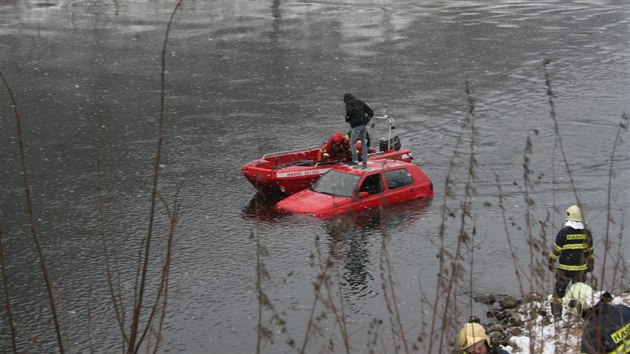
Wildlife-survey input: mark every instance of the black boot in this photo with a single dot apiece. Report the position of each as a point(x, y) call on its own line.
point(556, 308)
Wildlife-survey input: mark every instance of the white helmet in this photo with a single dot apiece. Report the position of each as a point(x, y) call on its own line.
point(574, 213)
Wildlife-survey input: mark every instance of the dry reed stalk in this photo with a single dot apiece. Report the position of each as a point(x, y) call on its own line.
point(31, 215)
point(7, 295)
point(623, 127)
point(389, 293)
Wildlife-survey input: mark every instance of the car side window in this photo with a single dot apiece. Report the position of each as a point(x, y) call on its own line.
point(372, 184)
point(398, 178)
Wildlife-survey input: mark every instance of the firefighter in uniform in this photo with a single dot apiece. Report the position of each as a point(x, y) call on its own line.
point(337, 148)
point(573, 250)
point(607, 327)
point(474, 340)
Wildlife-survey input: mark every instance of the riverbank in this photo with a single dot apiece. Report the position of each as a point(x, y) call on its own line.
point(526, 325)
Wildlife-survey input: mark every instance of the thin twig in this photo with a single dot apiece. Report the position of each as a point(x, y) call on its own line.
point(623, 126)
point(391, 301)
point(31, 216)
point(162, 293)
point(7, 297)
point(469, 191)
point(141, 285)
point(115, 295)
point(556, 128)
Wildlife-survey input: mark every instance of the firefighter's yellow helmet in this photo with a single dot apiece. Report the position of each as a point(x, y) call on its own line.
point(574, 213)
point(471, 334)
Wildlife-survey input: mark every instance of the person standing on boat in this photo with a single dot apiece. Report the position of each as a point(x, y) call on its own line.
point(573, 250)
point(358, 114)
point(336, 149)
point(367, 135)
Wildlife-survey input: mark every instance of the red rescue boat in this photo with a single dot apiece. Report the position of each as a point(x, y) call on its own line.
point(289, 172)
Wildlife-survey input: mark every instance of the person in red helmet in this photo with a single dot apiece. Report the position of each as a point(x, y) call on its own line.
point(336, 149)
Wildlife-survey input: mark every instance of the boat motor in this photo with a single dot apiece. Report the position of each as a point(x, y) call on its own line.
point(392, 144)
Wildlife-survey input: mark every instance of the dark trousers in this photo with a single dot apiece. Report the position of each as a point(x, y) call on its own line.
point(563, 278)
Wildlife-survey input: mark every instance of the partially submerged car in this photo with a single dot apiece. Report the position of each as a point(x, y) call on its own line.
point(353, 188)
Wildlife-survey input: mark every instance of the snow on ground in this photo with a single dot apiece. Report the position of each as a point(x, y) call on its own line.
point(549, 337)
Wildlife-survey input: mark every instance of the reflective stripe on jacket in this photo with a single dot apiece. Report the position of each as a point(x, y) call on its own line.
point(336, 151)
point(608, 331)
point(573, 248)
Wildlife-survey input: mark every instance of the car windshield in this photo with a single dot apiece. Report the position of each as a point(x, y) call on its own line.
point(337, 183)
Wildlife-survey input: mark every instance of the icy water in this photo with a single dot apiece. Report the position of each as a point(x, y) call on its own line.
point(246, 78)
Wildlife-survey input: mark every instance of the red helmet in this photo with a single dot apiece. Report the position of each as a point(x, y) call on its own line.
point(338, 137)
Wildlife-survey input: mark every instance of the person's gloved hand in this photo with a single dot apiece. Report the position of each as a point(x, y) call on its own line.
point(552, 265)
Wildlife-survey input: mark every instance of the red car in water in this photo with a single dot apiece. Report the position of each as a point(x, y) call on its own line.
point(353, 188)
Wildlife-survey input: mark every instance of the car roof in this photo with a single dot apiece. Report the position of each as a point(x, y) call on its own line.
point(378, 165)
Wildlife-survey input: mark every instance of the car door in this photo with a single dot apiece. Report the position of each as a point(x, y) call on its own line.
point(400, 186)
point(372, 184)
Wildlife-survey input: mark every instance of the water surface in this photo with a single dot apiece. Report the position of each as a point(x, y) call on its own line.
point(246, 78)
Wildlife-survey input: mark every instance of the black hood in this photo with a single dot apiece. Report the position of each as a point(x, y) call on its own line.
point(347, 97)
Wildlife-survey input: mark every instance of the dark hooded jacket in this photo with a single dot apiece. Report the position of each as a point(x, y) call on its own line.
point(357, 112)
point(497, 350)
point(608, 330)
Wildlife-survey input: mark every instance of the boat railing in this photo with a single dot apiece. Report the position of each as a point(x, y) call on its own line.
point(385, 118)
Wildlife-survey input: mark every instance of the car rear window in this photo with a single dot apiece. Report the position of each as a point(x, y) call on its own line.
point(398, 178)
